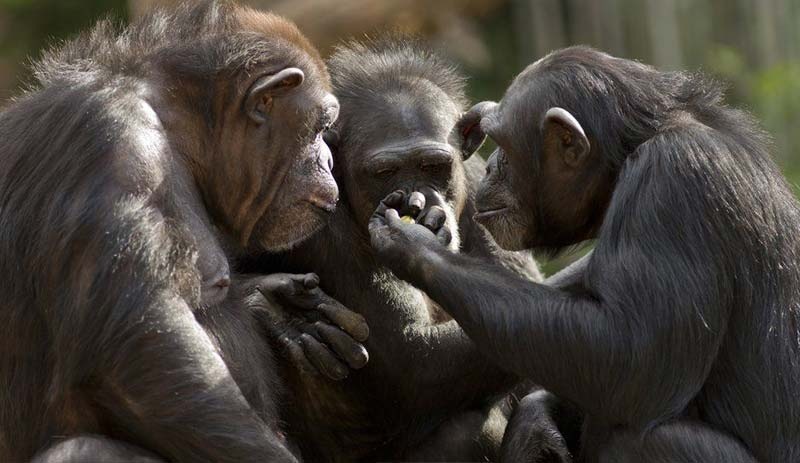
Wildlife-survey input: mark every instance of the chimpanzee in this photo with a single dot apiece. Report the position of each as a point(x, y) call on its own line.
point(679, 337)
point(139, 165)
point(399, 103)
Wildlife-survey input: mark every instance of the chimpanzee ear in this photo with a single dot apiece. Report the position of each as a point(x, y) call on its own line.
point(561, 128)
point(468, 129)
point(259, 97)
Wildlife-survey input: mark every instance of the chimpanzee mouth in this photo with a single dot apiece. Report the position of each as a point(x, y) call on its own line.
point(322, 204)
point(486, 214)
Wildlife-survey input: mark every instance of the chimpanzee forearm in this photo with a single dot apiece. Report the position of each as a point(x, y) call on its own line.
point(443, 356)
point(405, 346)
point(549, 335)
point(572, 276)
point(422, 357)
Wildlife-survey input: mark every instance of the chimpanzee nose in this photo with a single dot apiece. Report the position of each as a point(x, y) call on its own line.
point(325, 156)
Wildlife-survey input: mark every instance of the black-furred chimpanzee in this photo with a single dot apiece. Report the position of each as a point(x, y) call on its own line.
point(679, 337)
point(141, 162)
point(427, 392)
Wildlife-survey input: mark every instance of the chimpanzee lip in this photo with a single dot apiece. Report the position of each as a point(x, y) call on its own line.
point(484, 214)
point(322, 204)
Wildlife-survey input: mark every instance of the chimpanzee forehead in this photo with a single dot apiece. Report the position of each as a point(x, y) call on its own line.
point(403, 112)
point(517, 114)
point(272, 26)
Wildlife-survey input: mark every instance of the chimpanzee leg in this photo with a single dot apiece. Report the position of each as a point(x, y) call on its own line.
point(81, 449)
point(675, 442)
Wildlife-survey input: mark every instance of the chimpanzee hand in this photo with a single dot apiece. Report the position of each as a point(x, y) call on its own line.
point(317, 331)
point(399, 242)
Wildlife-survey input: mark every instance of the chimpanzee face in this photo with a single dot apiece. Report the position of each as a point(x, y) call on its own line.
point(545, 188)
point(287, 133)
point(504, 199)
point(271, 184)
point(400, 139)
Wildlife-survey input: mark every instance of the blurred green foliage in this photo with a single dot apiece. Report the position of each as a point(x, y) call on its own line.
point(772, 94)
point(28, 26)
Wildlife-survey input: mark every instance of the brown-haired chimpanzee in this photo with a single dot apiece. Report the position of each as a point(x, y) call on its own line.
point(679, 337)
point(139, 165)
point(427, 392)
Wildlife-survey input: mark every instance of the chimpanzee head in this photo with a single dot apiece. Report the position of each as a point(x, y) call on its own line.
point(563, 130)
point(400, 104)
point(246, 103)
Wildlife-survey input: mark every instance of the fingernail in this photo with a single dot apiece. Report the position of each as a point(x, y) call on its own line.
point(416, 200)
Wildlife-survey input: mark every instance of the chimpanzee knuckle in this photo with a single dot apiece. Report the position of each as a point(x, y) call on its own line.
point(435, 219)
point(376, 224)
point(444, 236)
point(284, 339)
point(310, 329)
point(355, 354)
point(416, 203)
point(395, 200)
point(351, 322)
point(310, 281)
point(299, 359)
point(323, 359)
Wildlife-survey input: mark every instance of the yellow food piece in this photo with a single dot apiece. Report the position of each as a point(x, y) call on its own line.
point(407, 219)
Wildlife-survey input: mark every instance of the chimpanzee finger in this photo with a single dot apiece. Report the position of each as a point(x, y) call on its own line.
point(297, 356)
point(392, 218)
point(444, 236)
point(434, 218)
point(395, 200)
point(285, 284)
point(376, 223)
point(323, 359)
point(308, 299)
point(352, 323)
point(310, 281)
point(345, 347)
point(416, 203)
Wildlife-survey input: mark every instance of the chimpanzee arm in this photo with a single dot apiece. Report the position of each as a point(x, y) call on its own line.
point(640, 343)
point(435, 355)
point(572, 276)
point(421, 357)
point(121, 324)
point(405, 346)
point(443, 356)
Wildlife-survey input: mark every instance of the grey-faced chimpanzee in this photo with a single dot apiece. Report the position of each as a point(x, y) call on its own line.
point(679, 337)
point(140, 163)
point(399, 104)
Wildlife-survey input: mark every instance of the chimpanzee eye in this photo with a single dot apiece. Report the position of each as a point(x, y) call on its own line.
point(385, 172)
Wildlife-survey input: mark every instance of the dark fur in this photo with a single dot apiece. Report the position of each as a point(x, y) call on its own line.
point(103, 230)
point(679, 337)
point(426, 392)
